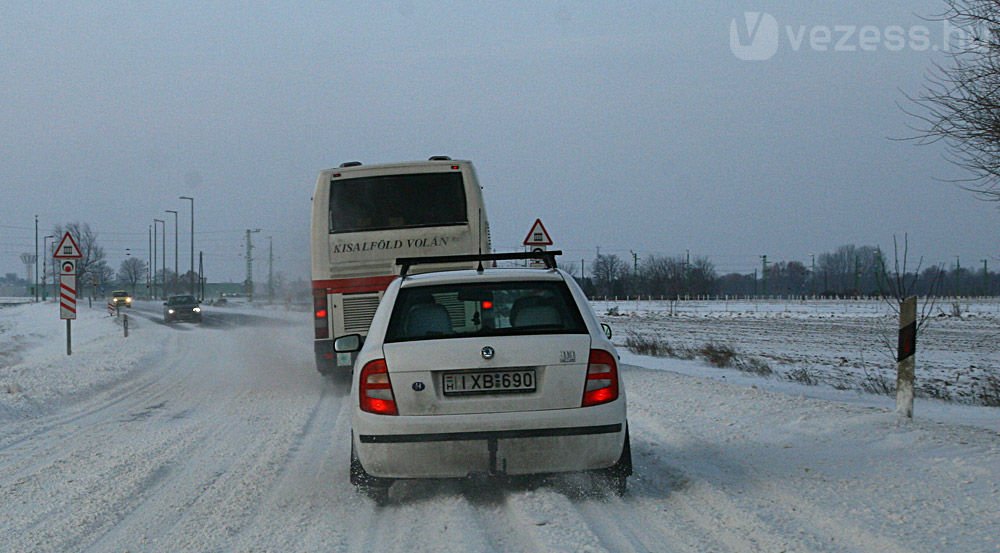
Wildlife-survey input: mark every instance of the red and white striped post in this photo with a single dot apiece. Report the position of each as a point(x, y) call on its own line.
point(67, 299)
point(905, 361)
point(67, 253)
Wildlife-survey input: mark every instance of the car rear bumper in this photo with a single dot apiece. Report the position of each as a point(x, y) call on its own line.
point(195, 317)
point(456, 446)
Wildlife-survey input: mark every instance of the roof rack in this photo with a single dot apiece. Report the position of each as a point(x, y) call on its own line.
point(548, 257)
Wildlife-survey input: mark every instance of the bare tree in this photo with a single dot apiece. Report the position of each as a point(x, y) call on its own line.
point(849, 270)
point(960, 104)
point(662, 275)
point(609, 273)
point(701, 277)
point(132, 271)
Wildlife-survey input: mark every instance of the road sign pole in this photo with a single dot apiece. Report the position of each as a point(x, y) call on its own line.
point(67, 253)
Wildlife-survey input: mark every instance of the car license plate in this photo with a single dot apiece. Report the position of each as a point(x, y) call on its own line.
point(487, 382)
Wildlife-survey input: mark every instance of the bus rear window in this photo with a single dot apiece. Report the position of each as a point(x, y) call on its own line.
point(397, 201)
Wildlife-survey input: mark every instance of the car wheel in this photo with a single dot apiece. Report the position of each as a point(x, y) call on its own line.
point(616, 476)
point(374, 487)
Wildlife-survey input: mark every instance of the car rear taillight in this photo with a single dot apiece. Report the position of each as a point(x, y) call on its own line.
point(375, 390)
point(320, 314)
point(602, 379)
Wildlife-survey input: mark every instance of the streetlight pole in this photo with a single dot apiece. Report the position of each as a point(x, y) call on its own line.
point(249, 281)
point(192, 239)
point(36, 258)
point(163, 255)
point(48, 255)
point(176, 274)
point(149, 266)
point(270, 270)
point(154, 259)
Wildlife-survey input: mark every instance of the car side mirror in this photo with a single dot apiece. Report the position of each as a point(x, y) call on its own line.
point(164, 303)
point(347, 344)
point(607, 330)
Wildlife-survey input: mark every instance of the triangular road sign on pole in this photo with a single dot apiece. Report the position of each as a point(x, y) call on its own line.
point(538, 236)
point(68, 249)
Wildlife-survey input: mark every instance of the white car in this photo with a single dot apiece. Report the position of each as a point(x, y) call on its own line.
point(497, 372)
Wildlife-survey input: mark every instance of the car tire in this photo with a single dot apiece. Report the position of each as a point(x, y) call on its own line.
point(372, 486)
point(616, 476)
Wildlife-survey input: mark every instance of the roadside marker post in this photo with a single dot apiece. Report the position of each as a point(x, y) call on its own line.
point(905, 361)
point(67, 253)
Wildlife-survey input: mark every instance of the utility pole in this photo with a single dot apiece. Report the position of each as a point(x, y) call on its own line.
point(763, 275)
point(635, 262)
point(249, 281)
point(270, 270)
point(177, 275)
point(986, 279)
point(149, 266)
point(35, 289)
point(201, 276)
point(163, 256)
point(190, 199)
point(857, 275)
point(154, 258)
point(45, 264)
point(958, 276)
point(812, 276)
point(687, 272)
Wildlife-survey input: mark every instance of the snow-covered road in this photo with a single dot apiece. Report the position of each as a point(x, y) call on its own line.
point(224, 438)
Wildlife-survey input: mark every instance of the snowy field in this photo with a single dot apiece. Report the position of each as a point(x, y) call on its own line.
point(222, 437)
point(840, 344)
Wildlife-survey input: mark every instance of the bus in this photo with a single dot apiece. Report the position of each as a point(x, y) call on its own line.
point(364, 217)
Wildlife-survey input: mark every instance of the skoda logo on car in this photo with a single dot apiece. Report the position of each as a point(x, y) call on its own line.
point(488, 352)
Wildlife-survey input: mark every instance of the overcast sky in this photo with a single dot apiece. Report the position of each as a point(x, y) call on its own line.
point(631, 127)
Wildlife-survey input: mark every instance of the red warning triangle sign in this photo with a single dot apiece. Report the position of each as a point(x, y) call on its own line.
point(538, 236)
point(67, 248)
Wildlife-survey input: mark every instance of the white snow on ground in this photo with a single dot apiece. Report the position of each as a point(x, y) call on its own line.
point(223, 438)
point(843, 344)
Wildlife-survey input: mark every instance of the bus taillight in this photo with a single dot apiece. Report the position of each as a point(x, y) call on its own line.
point(321, 315)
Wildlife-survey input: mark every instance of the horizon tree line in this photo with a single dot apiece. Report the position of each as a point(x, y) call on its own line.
point(848, 271)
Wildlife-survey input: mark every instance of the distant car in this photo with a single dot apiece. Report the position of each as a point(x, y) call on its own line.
point(120, 298)
point(498, 372)
point(181, 308)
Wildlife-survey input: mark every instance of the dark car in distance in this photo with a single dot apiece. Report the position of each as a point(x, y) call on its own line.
point(181, 308)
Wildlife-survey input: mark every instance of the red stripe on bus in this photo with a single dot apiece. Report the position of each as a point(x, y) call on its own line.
point(353, 285)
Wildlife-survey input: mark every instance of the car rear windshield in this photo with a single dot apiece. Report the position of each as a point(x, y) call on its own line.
point(484, 309)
